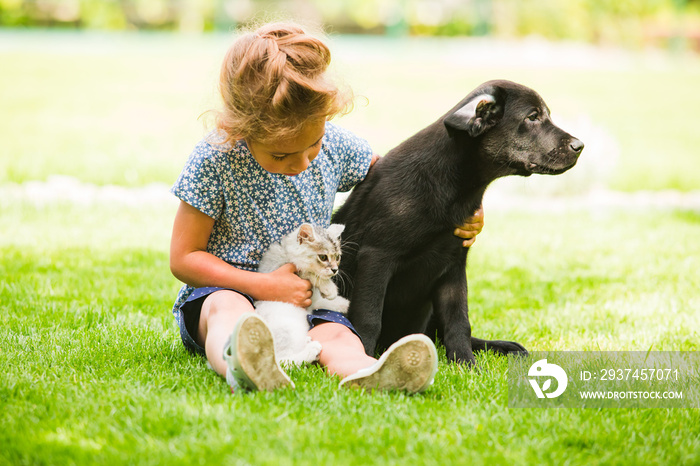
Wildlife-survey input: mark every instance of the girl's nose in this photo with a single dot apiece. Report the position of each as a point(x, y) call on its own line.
point(301, 163)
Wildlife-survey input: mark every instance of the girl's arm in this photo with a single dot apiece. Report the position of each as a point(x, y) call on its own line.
point(192, 264)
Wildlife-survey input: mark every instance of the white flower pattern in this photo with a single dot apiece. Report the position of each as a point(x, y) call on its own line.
point(253, 208)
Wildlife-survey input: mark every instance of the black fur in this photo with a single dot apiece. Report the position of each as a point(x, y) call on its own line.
point(404, 267)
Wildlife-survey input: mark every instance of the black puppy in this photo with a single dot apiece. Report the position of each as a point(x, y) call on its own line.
point(406, 268)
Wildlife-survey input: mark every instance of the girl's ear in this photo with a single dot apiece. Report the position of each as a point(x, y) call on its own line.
point(335, 230)
point(306, 233)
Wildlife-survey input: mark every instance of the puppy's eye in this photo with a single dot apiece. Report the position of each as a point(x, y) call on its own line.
point(322, 257)
point(533, 116)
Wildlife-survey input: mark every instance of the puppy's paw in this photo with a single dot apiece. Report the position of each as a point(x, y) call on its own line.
point(506, 347)
point(467, 361)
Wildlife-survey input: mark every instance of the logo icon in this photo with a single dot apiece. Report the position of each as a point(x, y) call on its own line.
point(543, 369)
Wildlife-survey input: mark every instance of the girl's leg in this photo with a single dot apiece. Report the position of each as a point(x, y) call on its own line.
point(220, 312)
point(342, 352)
point(238, 343)
point(410, 364)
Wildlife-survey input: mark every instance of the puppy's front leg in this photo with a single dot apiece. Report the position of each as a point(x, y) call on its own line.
point(372, 276)
point(452, 311)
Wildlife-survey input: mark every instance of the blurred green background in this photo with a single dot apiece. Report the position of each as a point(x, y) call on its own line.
point(101, 103)
point(629, 21)
point(111, 92)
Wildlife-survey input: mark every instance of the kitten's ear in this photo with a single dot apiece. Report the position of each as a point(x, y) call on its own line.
point(306, 233)
point(335, 230)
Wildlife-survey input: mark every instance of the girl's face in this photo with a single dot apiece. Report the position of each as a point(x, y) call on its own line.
point(290, 156)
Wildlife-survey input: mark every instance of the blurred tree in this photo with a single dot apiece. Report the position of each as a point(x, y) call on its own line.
point(396, 22)
point(634, 22)
point(191, 15)
point(227, 13)
point(151, 14)
point(482, 17)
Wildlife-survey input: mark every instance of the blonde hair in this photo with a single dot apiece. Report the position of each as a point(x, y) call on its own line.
point(273, 80)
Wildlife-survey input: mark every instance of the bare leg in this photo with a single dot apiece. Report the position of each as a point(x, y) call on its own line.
point(220, 312)
point(409, 364)
point(343, 353)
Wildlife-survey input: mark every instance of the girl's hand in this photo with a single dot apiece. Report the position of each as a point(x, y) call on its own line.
point(472, 227)
point(285, 285)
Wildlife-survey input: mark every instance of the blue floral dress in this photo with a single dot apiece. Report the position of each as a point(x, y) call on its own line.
point(253, 208)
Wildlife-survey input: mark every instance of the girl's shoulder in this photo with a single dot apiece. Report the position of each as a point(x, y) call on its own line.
point(341, 140)
point(335, 133)
point(213, 148)
point(215, 143)
point(349, 154)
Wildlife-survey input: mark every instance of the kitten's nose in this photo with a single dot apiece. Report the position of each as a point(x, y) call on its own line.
point(334, 270)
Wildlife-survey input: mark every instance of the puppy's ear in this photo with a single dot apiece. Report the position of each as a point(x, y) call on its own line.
point(477, 116)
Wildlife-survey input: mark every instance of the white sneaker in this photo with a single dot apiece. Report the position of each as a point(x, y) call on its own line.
point(250, 355)
point(410, 364)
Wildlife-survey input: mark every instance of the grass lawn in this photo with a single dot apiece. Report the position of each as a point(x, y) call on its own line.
point(93, 371)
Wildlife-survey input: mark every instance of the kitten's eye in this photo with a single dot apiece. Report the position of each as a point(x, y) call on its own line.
point(322, 257)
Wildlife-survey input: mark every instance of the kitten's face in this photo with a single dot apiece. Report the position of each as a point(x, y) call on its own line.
point(322, 249)
point(327, 264)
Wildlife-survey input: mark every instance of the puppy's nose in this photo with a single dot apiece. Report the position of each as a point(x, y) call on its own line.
point(576, 146)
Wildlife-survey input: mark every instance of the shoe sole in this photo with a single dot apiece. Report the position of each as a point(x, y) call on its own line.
point(409, 364)
point(255, 351)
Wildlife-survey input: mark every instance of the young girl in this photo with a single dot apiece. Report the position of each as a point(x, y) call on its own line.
point(274, 162)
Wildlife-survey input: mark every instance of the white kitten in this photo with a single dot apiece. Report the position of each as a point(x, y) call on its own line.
point(315, 252)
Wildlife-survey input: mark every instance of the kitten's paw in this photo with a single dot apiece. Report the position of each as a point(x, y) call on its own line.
point(313, 350)
point(341, 305)
point(328, 289)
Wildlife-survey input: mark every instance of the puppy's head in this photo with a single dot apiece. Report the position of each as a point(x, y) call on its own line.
point(515, 131)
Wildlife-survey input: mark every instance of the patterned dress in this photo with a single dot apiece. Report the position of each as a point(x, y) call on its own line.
point(253, 208)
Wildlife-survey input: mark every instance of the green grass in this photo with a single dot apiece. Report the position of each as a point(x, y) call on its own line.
point(93, 371)
point(123, 108)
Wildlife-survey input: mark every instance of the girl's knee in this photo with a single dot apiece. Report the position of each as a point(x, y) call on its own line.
point(220, 312)
point(225, 303)
point(334, 333)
